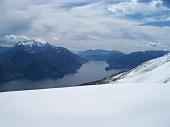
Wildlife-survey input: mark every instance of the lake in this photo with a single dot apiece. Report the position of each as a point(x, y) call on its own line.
point(91, 71)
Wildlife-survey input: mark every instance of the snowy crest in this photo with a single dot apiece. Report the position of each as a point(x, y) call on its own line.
point(153, 71)
point(31, 43)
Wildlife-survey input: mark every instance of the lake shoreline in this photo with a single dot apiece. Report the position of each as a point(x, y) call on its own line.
point(89, 72)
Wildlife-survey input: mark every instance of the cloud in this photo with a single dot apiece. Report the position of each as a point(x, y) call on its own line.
point(152, 44)
point(136, 10)
point(55, 38)
point(85, 24)
point(13, 39)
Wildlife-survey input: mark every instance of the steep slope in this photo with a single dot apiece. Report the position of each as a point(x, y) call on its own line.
point(153, 71)
point(32, 60)
point(134, 59)
point(2, 49)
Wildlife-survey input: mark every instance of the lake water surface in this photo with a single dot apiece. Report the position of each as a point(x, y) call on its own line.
point(91, 71)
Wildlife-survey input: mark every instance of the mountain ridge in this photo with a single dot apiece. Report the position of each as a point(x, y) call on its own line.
point(134, 59)
point(99, 54)
point(37, 61)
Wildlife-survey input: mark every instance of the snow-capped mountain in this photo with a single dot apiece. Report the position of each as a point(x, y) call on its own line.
point(153, 71)
point(32, 60)
point(33, 46)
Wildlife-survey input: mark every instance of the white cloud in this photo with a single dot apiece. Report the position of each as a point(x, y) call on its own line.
point(55, 38)
point(13, 39)
point(154, 10)
point(86, 26)
point(152, 44)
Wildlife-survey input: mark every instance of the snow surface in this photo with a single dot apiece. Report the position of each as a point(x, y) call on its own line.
point(153, 71)
point(122, 104)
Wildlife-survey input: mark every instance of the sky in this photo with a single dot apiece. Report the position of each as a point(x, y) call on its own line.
point(125, 25)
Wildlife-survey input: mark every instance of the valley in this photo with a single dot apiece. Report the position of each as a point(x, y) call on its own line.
point(91, 71)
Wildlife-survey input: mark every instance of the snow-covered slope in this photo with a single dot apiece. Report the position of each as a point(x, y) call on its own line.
point(129, 103)
point(153, 71)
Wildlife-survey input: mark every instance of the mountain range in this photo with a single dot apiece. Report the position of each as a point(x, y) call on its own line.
point(119, 60)
point(100, 55)
point(134, 59)
point(31, 60)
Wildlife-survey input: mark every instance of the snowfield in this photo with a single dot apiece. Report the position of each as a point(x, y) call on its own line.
point(140, 99)
point(122, 105)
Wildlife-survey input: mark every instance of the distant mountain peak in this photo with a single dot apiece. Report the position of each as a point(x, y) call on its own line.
point(33, 60)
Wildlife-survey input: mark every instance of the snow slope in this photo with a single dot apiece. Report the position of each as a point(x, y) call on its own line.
point(125, 105)
point(153, 71)
point(122, 104)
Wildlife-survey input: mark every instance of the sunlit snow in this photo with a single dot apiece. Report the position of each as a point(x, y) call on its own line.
point(153, 71)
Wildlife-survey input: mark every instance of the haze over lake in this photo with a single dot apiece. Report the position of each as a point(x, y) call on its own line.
point(91, 71)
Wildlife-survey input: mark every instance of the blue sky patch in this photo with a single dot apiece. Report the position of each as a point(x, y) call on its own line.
point(159, 23)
